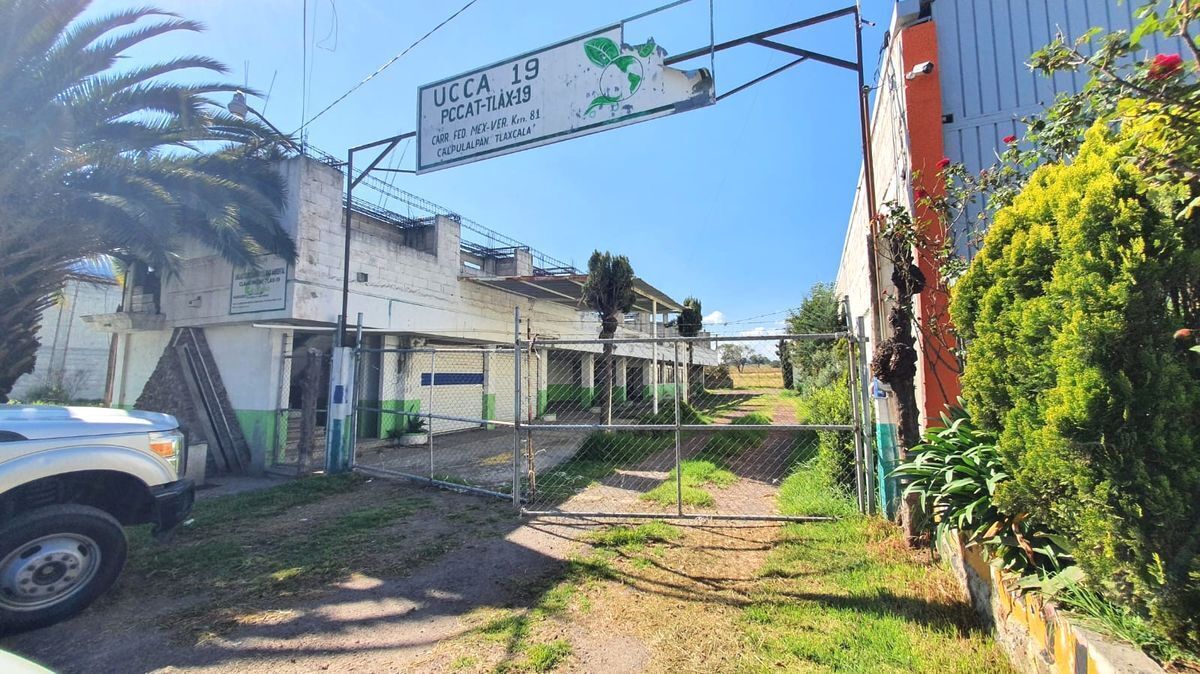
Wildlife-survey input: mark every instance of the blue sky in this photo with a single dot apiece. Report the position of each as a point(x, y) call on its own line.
point(743, 204)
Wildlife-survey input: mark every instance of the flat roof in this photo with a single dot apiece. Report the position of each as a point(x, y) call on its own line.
point(568, 289)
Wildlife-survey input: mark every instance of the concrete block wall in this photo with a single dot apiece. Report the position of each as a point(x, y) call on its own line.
point(137, 355)
point(72, 354)
point(1032, 632)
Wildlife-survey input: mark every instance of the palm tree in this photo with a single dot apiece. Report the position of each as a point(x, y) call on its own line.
point(689, 324)
point(609, 292)
point(96, 160)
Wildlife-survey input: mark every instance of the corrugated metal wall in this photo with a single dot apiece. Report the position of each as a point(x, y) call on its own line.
point(984, 46)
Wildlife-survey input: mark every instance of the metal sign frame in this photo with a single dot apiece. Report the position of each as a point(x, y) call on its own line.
point(759, 39)
point(703, 95)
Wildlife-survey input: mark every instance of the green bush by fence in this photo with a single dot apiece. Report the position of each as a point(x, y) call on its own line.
point(830, 404)
point(1068, 313)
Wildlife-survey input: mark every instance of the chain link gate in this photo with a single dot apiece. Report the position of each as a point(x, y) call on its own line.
point(675, 445)
point(530, 423)
point(441, 414)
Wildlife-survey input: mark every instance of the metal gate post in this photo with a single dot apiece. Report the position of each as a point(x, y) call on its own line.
point(282, 393)
point(868, 425)
point(516, 457)
point(356, 372)
point(678, 439)
point(429, 414)
point(855, 408)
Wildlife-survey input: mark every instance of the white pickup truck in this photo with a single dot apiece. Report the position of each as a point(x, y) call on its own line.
point(70, 478)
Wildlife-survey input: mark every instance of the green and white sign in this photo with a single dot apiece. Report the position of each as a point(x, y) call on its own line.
point(581, 86)
point(259, 289)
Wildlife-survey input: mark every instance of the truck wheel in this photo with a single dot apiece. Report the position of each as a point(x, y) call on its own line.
point(54, 562)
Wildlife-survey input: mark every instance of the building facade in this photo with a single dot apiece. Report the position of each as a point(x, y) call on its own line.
point(72, 360)
point(417, 283)
point(974, 94)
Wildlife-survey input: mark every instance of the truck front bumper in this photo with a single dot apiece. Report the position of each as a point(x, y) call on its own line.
point(172, 504)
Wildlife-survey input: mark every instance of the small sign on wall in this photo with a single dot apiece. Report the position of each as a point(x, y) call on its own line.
point(260, 289)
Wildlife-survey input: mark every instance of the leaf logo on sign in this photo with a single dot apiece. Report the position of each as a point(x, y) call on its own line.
point(623, 73)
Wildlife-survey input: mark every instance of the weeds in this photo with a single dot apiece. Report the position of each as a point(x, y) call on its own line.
point(632, 539)
point(1119, 621)
point(696, 473)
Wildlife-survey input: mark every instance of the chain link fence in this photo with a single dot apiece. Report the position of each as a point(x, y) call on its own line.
point(654, 428)
point(299, 420)
point(439, 414)
point(629, 427)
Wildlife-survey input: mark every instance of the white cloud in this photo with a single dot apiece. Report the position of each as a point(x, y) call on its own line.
point(765, 347)
point(715, 318)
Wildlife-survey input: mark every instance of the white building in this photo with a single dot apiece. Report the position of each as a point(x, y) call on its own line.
point(72, 360)
point(417, 282)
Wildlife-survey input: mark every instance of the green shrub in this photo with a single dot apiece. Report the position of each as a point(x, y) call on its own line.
point(830, 404)
point(666, 414)
point(1068, 313)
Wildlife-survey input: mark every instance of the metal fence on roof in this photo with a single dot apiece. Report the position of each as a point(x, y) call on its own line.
point(473, 232)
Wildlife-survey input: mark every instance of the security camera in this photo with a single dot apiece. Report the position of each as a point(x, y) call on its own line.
point(922, 68)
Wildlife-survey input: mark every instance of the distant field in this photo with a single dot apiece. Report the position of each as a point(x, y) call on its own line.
point(757, 376)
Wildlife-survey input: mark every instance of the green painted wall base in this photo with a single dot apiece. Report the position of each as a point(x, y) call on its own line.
point(563, 392)
point(543, 401)
point(264, 431)
point(489, 408)
point(619, 395)
point(389, 422)
point(664, 391)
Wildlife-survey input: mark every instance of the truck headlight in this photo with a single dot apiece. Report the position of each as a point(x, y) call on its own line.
point(168, 445)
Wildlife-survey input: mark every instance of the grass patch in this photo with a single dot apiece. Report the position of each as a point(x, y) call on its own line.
point(811, 490)
point(736, 442)
point(270, 502)
point(516, 629)
point(632, 539)
point(598, 457)
point(545, 657)
point(697, 473)
point(846, 596)
point(1122, 622)
point(251, 547)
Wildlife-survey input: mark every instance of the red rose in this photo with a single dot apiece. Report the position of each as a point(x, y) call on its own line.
point(1164, 66)
point(1009, 140)
point(943, 163)
point(920, 193)
point(1183, 335)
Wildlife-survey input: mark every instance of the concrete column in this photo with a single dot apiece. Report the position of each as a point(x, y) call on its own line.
point(649, 380)
point(685, 377)
point(282, 385)
point(543, 380)
point(587, 379)
point(391, 387)
point(654, 352)
point(489, 388)
point(620, 387)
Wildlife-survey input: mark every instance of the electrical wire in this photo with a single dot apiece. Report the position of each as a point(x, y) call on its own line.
point(385, 66)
